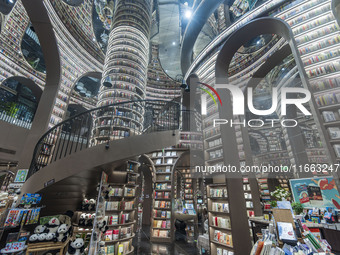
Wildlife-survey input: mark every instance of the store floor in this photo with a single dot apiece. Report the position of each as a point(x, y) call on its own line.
point(143, 245)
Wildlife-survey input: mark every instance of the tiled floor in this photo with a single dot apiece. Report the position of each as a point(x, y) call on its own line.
point(143, 246)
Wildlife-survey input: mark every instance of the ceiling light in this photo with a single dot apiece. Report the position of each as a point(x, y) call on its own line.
point(11, 1)
point(283, 69)
point(188, 14)
point(174, 43)
point(186, 4)
point(258, 42)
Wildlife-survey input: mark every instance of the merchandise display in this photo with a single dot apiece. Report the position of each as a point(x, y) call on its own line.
point(170, 127)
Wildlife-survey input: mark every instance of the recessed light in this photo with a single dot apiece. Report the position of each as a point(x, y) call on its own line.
point(186, 4)
point(173, 43)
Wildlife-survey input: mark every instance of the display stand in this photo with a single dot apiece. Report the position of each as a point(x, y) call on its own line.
point(48, 246)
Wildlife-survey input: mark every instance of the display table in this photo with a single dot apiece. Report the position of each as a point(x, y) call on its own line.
point(258, 223)
point(47, 246)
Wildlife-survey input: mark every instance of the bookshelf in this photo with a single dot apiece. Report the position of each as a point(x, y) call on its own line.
point(264, 193)
point(188, 197)
point(162, 218)
point(248, 197)
point(219, 219)
point(120, 208)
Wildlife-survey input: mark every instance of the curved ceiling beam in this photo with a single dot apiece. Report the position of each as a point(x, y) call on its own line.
point(42, 25)
point(198, 20)
point(38, 15)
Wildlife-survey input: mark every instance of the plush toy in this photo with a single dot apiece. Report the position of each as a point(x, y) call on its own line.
point(87, 217)
point(101, 250)
point(76, 247)
point(66, 218)
point(63, 233)
point(53, 225)
point(42, 237)
point(50, 237)
point(82, 219)
point(85, 205)
point(106, 191)
point(90, 220)
point(101, 226)
point(92, 204)
point(38, 234)
point(33, 238)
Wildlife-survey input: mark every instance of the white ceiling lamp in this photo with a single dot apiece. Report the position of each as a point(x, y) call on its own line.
point(188, 14)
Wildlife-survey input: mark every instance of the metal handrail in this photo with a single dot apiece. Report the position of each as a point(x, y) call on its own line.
point(103, 124)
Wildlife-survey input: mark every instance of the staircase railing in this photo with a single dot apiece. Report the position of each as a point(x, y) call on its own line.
point(104, 124)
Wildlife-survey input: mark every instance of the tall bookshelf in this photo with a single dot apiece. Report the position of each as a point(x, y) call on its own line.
point(220, 232)
point(188, 191)
point(162, 220)
point(118, 208)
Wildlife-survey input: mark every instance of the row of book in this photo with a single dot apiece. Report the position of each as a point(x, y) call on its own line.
point(162, 214)
point(217, 193)
point(220, 207)
point(162, 195)
point(162, 204)
point(328, 99)
point(168, 161)
point(116, 219)
point(122, 248)
point(223, 238)
point(221, 222)
point(162, 224)
point(118, 205)
point(161, 186)
point(220, 251)
point(115, 234)
point(215, 143)
point(161, 233)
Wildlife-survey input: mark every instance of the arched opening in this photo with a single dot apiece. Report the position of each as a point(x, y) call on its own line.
point(86, 88)
point(6, 6)
point(31, 49)
point(282, 68)
point(19, 99)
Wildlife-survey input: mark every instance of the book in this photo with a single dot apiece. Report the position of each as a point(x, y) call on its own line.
point(328, 116)
point(108, 235)
point(334, 132)
point(120, 249)
point(286, 231)
point(115, 234)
